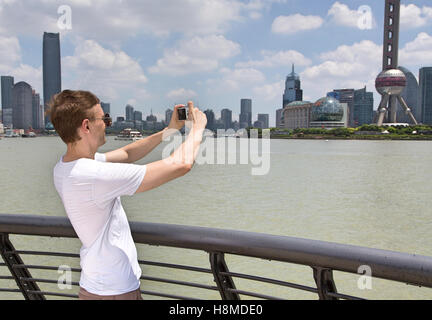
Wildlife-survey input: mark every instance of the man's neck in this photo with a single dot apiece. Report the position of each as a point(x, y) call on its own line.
point(77, 151)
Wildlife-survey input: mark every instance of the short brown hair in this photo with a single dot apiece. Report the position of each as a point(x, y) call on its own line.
point(67, 111)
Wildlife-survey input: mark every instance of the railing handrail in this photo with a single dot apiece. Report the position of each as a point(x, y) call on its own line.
point(403, 267)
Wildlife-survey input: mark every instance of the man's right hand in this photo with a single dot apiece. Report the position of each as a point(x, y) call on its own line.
point(198, 118)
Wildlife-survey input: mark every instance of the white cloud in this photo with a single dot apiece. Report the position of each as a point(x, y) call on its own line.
point(255, 15)
point(111, 20)
point(10, 51)
point(413, 17)
point(360, 52)
point(277, 59)
point(346, 67)
point(255, 7)
point(11, 64)
point(427, 12)
point(106, 72)
point(235, 79)
point(271, 92)
point(27, 17)
point(296, 23)
point(181, 95)
point(199, 54)
point(417, 52)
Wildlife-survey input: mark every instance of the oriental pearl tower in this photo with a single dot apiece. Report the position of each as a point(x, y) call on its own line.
point(391, 81)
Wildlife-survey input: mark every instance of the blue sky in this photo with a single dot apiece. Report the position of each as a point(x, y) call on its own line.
point(153, 54)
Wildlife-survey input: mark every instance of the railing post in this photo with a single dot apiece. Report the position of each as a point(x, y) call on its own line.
point(11, 259)
point(224, 283)
point(325, 283)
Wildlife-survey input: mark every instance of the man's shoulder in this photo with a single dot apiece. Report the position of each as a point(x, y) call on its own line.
point(80, 167)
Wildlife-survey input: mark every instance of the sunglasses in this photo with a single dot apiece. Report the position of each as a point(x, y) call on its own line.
point(107, 119)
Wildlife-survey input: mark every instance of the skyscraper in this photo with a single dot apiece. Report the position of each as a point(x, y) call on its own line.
point(168, 115)
point(347, 96)
point(264, 119)
point(363, 107)
point(129, 113)
point(106, 107)
point(210, 119)
point(245, 117)
point(426, 94)
point(7, 83)
point(279, 118)
point(37, 122)
point(293, 90)
point(226, 117)
point(22, 105)
point(51, 68)
point(411, 95)
point(151, 117)
point(137, 115)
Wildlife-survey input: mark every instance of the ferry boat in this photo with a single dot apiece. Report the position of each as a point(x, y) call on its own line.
point(31, 134)
point(129, 135)
point(11, 134)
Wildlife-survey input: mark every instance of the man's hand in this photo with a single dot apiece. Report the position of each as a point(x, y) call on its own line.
point(198, 118)
point(175, 123)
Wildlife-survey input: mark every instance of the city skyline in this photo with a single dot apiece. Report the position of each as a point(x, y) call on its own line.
point(155, 66)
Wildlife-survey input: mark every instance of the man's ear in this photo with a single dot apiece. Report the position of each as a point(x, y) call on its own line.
point(84, 124)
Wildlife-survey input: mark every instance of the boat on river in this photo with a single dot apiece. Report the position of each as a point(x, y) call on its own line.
point(129, 135)
point(9, 133)
point(31, 134)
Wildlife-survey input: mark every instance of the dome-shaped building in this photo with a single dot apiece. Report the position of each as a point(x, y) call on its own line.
point(328, 112)
point(297, 114)
point(49, 126)
point(327, 109)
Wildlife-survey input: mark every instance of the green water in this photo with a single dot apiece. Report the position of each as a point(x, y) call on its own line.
point(367, 193)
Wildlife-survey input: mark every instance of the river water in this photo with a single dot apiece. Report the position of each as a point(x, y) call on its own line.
point(367, 193)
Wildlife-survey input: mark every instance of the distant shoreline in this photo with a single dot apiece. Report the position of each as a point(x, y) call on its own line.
point(379, 137)
point(357, 137)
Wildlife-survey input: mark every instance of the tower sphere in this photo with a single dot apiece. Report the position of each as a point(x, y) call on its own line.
point(391, 82)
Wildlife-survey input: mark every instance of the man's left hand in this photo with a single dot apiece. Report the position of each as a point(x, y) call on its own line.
point(175, 123)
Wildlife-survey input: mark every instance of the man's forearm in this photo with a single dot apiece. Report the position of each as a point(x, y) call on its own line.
point(188, 150)
point(139, 149)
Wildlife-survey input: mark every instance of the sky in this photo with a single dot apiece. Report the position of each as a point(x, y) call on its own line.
point(154, 54)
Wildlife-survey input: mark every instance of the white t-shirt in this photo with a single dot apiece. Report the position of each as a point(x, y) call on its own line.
point(90, 191)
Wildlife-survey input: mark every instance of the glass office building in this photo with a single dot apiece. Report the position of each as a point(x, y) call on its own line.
point(51, 68)
point(426, 94)
point(293, 91)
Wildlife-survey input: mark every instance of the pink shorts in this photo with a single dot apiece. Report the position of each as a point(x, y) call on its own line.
point(133, 295)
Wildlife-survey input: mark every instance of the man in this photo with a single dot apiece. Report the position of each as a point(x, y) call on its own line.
point(90, 185)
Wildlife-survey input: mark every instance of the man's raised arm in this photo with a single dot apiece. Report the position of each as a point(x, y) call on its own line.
point(181, 160)
point(139, 149)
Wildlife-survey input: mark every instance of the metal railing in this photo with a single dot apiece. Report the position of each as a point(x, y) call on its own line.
point(322, 257)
